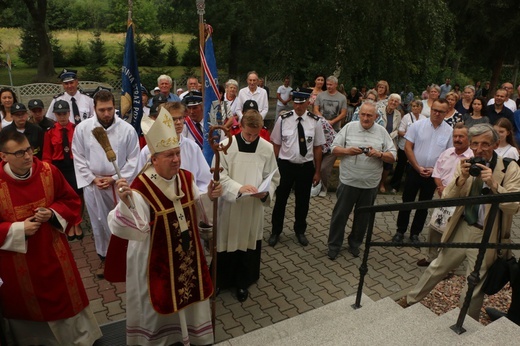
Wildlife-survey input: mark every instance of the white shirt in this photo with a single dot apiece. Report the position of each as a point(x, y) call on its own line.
point(259, 95)
point(285, 134)
point(429, 142)
point(84, 102)
point(284, 92)
point(509, 104)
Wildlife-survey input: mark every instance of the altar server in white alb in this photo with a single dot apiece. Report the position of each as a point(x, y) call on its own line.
point(249, 161)
point(167, 278)
point(95, 174)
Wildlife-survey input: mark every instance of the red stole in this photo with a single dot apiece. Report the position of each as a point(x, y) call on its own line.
point(43, 284)
point(176, 279)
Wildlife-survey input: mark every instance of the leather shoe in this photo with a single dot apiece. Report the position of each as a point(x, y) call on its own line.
point(494, 314)
point(302, 239)
point(273, 239)
point(414, 238)
point(398, 238)
point(354, 251)
point(423, 262)
point(403, 302)
point(332, 254)
point(242, 294)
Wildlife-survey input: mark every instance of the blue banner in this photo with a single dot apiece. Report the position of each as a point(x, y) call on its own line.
point(211, 95)
point(131, 101)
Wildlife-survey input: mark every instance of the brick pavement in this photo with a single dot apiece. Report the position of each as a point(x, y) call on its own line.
point(293, 279)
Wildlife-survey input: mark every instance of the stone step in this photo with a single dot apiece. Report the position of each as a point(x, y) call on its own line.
point(293, 326)
point(341, 325)
point(502, 332)
point(438, 330)
point(403, 327)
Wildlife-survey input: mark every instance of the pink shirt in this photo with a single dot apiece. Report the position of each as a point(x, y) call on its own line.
point(447, 164)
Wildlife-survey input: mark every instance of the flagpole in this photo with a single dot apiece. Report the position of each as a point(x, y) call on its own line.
point(200, 11)
point(130, 9)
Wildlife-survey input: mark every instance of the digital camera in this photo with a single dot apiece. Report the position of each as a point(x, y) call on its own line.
point(475, 170)
point(365, 150)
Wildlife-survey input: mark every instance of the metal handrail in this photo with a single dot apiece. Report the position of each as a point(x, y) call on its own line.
point(474, 277)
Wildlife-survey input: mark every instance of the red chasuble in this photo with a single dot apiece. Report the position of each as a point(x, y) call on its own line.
point(43, 284)
point(176, 278)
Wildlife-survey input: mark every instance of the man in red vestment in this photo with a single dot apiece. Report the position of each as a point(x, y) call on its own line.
point(167, 278)
point(42, 297)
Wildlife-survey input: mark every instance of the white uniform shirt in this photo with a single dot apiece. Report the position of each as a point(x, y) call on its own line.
point(85, 106)
point(285, 134)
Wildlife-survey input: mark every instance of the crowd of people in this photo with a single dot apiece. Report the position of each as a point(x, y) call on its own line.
point(149, 196)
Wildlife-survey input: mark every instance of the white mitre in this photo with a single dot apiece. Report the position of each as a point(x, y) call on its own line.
point(162, 136)
point(146, 123)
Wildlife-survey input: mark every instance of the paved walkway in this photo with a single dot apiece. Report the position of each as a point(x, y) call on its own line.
point(293, 279)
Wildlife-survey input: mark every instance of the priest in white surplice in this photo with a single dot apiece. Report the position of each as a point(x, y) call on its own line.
point(95, 174)
point(167, 281)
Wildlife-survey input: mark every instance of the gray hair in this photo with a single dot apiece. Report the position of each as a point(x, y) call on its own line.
point(332, 79)
point(231, 82)
point(480, 129)
point(436, 87)
point(395, 96)
point(371, 104)
point(164, 76)
point(469, 87)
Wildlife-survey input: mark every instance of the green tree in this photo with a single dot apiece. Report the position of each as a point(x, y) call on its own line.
point(486, 33)
point(155, 46)
point(172, 55)
point(98, 54)
point(191, 56)
point(78, 56)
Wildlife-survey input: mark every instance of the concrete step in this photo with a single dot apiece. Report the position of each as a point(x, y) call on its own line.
point(400, 328)
point(502, 332)
point(341, 325)
point(438, 330)
point(311, 319)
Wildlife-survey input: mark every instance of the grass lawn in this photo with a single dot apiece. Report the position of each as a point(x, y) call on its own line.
point(10, 39)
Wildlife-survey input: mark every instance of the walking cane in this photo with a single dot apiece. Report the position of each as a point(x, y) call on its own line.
point(213, 139)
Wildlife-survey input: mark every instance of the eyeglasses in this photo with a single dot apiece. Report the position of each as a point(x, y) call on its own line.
point(21, 153)
point(483, 146)
point(438, 111)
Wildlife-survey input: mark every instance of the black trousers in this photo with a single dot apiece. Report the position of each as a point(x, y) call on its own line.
point(400, 167)
point(299, 175)
point(414, 184)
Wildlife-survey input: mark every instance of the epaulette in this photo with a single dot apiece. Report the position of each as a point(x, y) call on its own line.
point(60, 94)
point(84, 93)
point(314, 116)
point(286, 114)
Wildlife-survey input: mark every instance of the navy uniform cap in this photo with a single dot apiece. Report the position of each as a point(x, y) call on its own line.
point(249, 104)
point(61, 106)
point(154, 109)
point(68, 75)
point(193, 98)
point(159, 99)
point(36, 103)
point(99, 88)
point(17, 108)
point(301, 95)
point(144, 90)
